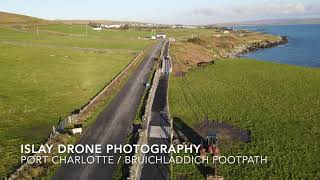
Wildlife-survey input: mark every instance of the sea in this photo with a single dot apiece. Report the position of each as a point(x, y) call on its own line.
point(303, 48)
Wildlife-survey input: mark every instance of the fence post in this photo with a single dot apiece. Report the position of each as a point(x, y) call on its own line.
point(53, 130)
point(69, 120)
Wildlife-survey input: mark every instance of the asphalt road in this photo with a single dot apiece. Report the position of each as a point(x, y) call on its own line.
point(112, 125)
point(159, 130)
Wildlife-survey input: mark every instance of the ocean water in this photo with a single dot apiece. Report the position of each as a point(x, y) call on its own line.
point(303, 48)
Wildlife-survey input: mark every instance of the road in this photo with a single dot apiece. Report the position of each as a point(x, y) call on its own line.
point(159, 127)
point(112, 125)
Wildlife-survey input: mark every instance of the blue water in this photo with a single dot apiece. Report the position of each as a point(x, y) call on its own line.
point(303, 48)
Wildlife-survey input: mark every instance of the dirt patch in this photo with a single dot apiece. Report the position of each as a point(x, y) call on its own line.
point(203, 64)
point(226, 133)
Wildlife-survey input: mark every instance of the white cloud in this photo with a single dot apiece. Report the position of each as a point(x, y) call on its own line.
point(266, 9)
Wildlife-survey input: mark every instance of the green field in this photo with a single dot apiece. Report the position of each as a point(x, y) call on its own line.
point(56, 35)
point(47, 76)
point(279, 104)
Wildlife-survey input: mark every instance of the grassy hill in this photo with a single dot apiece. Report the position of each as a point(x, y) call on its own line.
point(16, 19)
point(82, 21)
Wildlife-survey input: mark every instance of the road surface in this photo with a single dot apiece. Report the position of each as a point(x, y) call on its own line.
point(112, 125)
point(159, 127)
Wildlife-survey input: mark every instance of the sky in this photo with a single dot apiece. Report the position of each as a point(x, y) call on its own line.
point(165, 11)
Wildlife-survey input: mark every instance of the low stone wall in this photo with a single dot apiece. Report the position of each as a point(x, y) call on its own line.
point(135, 169)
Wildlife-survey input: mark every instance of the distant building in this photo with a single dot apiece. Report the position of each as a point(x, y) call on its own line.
point(183, 26)
point(178, 26)
point(112, 26)
point(161, 35)
point(153, 37)
point(97, 28)
point(226, 32)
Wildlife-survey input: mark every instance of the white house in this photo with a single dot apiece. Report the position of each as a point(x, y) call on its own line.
point(115, 26)
point(161, 35)
point(97, 28)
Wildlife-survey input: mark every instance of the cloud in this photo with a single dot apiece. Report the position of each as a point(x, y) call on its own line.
point(265, 9)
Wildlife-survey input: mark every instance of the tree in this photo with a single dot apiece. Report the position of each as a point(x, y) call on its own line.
point(125, 27)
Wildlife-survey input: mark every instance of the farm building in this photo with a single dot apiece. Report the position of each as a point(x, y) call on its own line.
point(161, 35)
point(110, 26)
point(97, 28)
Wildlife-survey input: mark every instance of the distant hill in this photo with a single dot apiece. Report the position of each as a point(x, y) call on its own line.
point(275, 22)
point(84, 21)
point(20, 20)
point(11, 19)
point(97, 21)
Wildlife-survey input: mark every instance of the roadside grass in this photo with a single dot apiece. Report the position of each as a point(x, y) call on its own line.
point(278, 103)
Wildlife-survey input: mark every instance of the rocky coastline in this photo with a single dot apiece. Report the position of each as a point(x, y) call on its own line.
point(255, 46)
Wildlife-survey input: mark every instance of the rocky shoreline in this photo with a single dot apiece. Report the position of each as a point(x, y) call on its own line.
point(246, 48)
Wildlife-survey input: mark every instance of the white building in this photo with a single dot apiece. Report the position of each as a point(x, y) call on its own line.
point(183, 26)
point(161, 35)
point(97, 28)
point(110, 26)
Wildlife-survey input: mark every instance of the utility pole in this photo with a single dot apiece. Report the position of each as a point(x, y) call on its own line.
point(37, 31)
